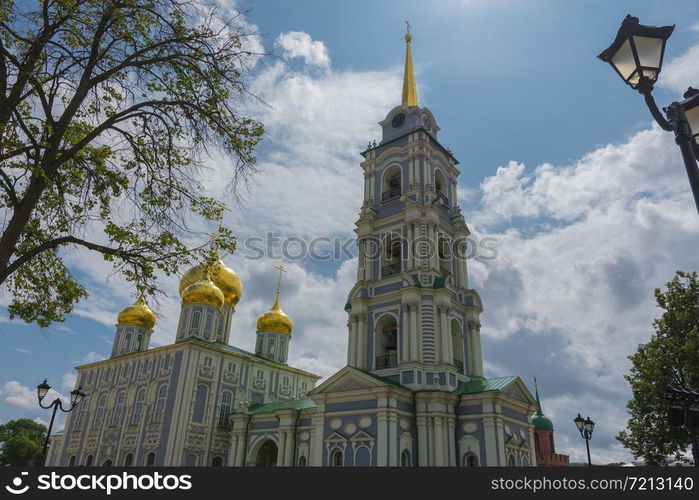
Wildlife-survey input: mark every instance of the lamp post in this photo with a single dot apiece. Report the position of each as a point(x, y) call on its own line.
point(585, 426)
point(75, 397)
point(682, 411)
point(636, 54)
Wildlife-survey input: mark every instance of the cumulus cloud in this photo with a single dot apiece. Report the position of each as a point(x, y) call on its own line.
point(300, 44)
point(682, 71)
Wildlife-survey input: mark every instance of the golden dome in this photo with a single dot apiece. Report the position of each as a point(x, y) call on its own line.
point(203, 291)
point(275, 319)
point(138, 314)
point(223, 277)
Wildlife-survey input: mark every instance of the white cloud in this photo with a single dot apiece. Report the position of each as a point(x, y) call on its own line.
point(16, 394)
point(23, 351)
point(90, 357)
point(299, 44)
point(68, 380)
point(682, 71)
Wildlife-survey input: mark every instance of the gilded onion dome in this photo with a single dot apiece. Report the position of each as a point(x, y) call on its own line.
point(138, 314)
point(203, 291)
point(275, 320)
point(223, 277)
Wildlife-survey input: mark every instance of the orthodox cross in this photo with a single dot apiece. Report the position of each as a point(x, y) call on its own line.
point(408, 26)
point(281, 270)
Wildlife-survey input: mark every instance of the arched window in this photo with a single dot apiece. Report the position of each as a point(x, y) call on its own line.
point(127, 341)
point(337, 458)
point(391, 184)
point(139, 342)
point(444, 252)
point(150, 459)
point(405, 459)
point(71, 461)
point(386, 342)
point(88, 460)
point(99, 414)
point(138, 405)
point(441, 186)
point(302, 461)
point(107, 463)
point(208, 329)
point(217, 462)
point(160, 402)
point(392, 255)
point(219, 329)
point(118, 409)
point(225, 409)
point(511, 461)
point(200, 403)
point(207, 361)
point(267, 455)
point(196, 315)
point(470, 460)
point(260, 374)
point(128, 460)
point(525, 461)
point(457, 345)
point(282, 346)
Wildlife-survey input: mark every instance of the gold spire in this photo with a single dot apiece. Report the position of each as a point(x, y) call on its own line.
point(275, 319)
point(409, 90)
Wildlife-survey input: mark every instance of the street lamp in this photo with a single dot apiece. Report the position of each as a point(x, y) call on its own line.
point(585, 426)
point(75, 397)
point(636, 54)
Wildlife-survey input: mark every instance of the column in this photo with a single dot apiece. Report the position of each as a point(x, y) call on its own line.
point(491, 453)
point(381, 448)
point(352, 344)
point(405, 333)
point(434, 254)
point(422, 441)
point(289, 449)
point(361, 341)
point(479, 354)
point(451, 443)
point(233, 451)
point(439, 441)
point(361, 260)
point(240, 450)
point(445, 338)
point(414, 355)
point(281, 452)
point(393, 440)
point(411, 252)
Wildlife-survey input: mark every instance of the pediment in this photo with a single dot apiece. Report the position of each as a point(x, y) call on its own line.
point(347, 379)
point(362, 436)
point(519, 391)
point(335, 438)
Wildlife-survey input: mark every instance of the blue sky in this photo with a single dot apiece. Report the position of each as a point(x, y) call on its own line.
point(588, 201)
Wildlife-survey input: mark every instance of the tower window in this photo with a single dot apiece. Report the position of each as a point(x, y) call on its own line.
point(225, 410)
point(127, 342)
point(386, 342)
point(270, 346)
point(393, 254)
point(470, 460)
point(405, 459)
point(160, 402)
point(196, 315)
point(391, 185)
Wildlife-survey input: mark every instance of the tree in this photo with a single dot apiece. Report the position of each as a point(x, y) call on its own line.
point(21, 442)
point(108, 110)
point(671, 357)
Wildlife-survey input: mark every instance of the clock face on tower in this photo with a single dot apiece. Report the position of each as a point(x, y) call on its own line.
point(398, 120)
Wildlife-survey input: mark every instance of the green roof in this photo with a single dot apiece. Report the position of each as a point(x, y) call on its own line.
point(229, 348)
point(296, 404)
point(484, 385)
point(542, 423)
point(439, 282)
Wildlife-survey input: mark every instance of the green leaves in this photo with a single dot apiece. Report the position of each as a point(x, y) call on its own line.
point(671, 357)
point(107, 114)
point(21, 441)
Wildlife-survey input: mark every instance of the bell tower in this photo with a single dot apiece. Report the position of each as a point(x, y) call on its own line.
point(412, 316)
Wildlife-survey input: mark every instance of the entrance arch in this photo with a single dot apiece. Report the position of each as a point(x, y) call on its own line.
point(267, 454)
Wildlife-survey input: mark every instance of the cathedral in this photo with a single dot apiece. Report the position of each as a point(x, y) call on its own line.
point(412, 393)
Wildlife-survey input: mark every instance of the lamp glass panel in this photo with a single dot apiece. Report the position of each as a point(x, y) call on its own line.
point(693, 119)
point(650, 51)
point(623, 60)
